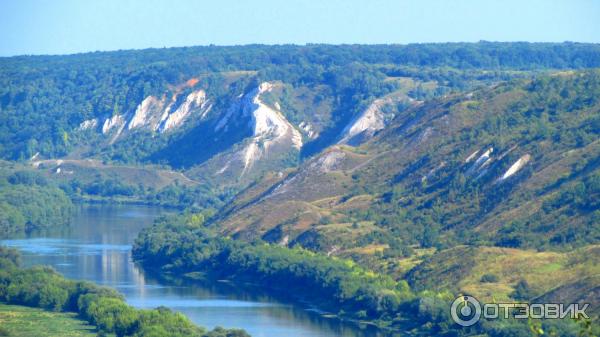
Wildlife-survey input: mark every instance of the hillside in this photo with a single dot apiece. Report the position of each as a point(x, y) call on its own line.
point(511, 171)
point(430, 170)
point(485, 193)
point(230, 115)
point(493, 273)
point(515, 165)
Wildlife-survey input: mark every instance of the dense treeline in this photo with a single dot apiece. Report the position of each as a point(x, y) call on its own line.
point(108, 189)
point(29, 202)
point(105, 308)
point(44, 98)
point(181, 245)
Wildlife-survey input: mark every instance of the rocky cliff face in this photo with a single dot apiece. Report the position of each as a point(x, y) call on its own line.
point(245, 135)
point(374, 118)
point(269, 127)
point(196, 101)
point(243, 130)
point(366, 124)
point(113, 126)
point(148, 114)
point(270, 132)
point(89, 124)
point(154, 114)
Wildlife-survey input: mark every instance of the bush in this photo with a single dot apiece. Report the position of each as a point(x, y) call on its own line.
point(489, 278)
point(522, 291)
point(4, 332)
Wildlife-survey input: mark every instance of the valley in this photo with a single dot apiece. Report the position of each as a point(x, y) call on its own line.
point(385, 180)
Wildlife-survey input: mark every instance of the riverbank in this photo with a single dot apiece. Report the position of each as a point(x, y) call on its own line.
point(96, 247)
point(117, 200)
point(105, 308)
point(322, 309)
point(180, 247)
point(28, 202)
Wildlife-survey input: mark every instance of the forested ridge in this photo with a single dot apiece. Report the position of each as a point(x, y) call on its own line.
point(44, 98)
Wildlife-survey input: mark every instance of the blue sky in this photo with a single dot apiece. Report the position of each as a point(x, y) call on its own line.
point(70, 26)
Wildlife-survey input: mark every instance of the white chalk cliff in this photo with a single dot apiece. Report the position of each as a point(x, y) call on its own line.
point(149, 113)
point(88, 124)
point(482, 161)
point(154, 114)
point(308, 130)
point(114, 122)
point(195, 100)
point(514, 168)
point(369, 121)
point(268, 125)
point(471, 156)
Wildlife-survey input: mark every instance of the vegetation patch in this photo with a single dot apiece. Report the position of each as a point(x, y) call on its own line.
point(42, 287)
point(20, 321)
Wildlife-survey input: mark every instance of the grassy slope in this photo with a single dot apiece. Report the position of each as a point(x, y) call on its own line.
point(24, 321)
point(89, 169)
point(433, 142)
point(461, 269)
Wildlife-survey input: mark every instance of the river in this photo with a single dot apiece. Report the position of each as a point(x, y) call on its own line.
point(97, 247)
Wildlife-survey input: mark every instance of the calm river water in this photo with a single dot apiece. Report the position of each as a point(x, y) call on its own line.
point(97, 247)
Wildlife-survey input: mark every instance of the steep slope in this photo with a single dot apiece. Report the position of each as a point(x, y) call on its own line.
point(269, 127)
point(515, 165)
point(462, 269)
point(374, 118)
point(154, 115)
point(266, 141)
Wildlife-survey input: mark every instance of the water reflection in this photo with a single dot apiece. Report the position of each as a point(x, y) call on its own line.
point(97, 248)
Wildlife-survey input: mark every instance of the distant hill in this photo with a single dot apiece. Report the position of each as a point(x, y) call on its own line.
point(171, 106)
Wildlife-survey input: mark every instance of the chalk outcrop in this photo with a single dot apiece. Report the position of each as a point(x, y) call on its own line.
point(89, 124)
point(514, 168)
point(480, 163)
point(195, 100)
point(158, 115)
point(370, 120)
point(149, 113)
point(268, 126)
point(154, 114)
point(308, 130)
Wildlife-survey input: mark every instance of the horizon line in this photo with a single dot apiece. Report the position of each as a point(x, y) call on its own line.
point(306, 44)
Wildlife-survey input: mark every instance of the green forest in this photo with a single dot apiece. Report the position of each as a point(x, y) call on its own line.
point(29, 202)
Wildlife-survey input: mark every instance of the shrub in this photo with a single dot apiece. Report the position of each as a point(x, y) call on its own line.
point(489, 278)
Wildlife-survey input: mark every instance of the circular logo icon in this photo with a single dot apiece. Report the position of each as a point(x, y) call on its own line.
point(465, 310)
